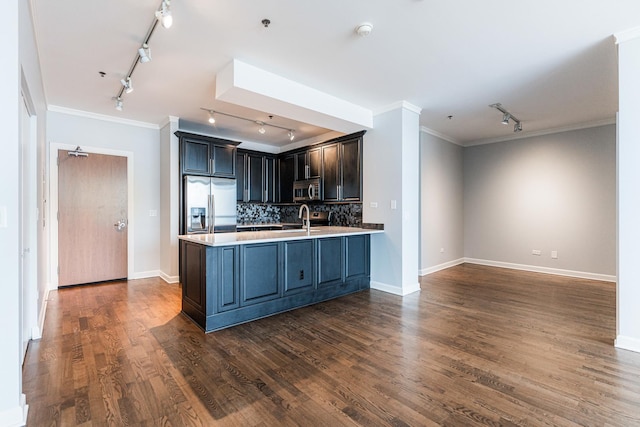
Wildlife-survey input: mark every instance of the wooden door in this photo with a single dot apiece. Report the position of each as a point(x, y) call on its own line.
point(92, 223)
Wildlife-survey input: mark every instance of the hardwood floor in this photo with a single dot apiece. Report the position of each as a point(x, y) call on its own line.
point(477, 346)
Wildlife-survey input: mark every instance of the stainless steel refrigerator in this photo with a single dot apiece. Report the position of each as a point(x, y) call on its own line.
point(210, 205)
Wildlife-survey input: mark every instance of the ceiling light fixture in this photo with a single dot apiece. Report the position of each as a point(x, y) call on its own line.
point(364, 29)
point(212, 119)
point(506, 116)
point(261, 129)
point(144, 53)
point(127, 84)
point(163, 15)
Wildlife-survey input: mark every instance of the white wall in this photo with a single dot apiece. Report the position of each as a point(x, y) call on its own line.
point(441, 204)
point(169, 206)
point(551, 193)
point(144, 143)
point(10, 374)
point(629, 195)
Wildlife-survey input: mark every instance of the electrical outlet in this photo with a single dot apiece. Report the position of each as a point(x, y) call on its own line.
point(554, 254)
point(373, 204)
point(153, 212)
point(301, 274)
point(536, 252)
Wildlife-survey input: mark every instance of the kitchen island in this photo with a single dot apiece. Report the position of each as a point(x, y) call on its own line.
point(232, 278)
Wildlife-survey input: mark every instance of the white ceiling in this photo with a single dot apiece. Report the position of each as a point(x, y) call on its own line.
point(551, 63)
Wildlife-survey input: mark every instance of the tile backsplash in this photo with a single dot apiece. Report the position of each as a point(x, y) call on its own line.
point(344, 214)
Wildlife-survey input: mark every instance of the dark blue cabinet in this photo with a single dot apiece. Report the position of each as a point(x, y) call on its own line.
point(330, 261)
point(299, 261)
point(260, 278)
point(223, 286)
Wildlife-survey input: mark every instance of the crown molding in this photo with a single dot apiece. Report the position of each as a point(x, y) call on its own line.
point(440, 135)
point(522, 135)
point(626, 35)
point(396, 105)
point(103, 117)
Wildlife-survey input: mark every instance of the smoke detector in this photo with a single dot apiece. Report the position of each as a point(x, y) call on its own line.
point(364, 29)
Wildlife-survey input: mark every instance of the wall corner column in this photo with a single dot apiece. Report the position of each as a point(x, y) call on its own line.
point(391, 171)
point(628, 177)
point(169, 196)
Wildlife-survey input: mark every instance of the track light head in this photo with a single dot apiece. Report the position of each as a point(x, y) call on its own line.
point(164, 14)
point(119, 104)
point(505, 118)
point(517, 127)
point(145, 53)
point(128, 85)
point(291, 135)
point(212, 119)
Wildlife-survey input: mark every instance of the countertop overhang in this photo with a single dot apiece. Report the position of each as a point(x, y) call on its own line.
point(247, 237)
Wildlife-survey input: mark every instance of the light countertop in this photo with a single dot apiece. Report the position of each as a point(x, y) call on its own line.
point(246, 237)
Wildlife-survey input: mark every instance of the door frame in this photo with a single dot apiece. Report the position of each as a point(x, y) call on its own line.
point(53, 197)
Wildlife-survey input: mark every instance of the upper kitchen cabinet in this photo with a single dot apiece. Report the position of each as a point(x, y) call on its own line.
point(351, 156)
point(342, 169)
point(206, 155)
point(287, 167)
point(256, 177)
point(309, 164)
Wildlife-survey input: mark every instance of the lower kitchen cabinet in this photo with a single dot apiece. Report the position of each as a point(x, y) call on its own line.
point(224, 286)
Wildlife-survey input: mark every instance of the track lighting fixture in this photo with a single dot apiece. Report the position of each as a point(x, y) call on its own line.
point(164, 14)
point(127, 84)
point(506, 116)
point(145, 53)
point(261, 129)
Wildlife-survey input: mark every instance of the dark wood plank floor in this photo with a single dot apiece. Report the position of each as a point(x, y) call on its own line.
point(477, 346)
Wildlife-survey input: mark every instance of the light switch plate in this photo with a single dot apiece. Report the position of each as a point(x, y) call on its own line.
point(394, 204)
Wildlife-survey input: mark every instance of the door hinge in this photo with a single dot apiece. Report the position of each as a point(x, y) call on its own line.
point(58, 160)
point(58, 215)
point(58, 270)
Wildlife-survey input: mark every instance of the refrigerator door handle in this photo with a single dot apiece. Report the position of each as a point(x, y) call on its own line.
point(211, 213)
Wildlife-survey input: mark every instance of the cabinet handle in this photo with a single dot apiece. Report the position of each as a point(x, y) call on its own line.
point(211, 166)
point(307, 171)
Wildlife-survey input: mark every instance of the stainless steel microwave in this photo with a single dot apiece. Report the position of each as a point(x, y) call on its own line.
point(307, 190)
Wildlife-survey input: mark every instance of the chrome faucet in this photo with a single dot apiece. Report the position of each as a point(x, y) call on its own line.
point(302, 208)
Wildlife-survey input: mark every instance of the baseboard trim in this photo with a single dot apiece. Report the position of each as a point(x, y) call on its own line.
point(390, 289)
point(145, 274)
point(36, 332)
point(627, 343)
point(15, 417)
point(546, 270)
point(439, 267)
point(169, 279)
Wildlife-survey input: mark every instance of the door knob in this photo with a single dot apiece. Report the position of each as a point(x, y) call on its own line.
point(121, 224)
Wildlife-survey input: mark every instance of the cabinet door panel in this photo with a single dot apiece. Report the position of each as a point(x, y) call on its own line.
point(254, 166)
point(329, 261)
point(301, 166)
point(287, 176)
point(228, 297)
point(299, 259)
point(314, 161)
point(351, 170)
point(357, 256)
point(241, 183)
point(260, 277)
point(224, 161)
point(195, 158)
point(331, 172)
point(269, 179)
